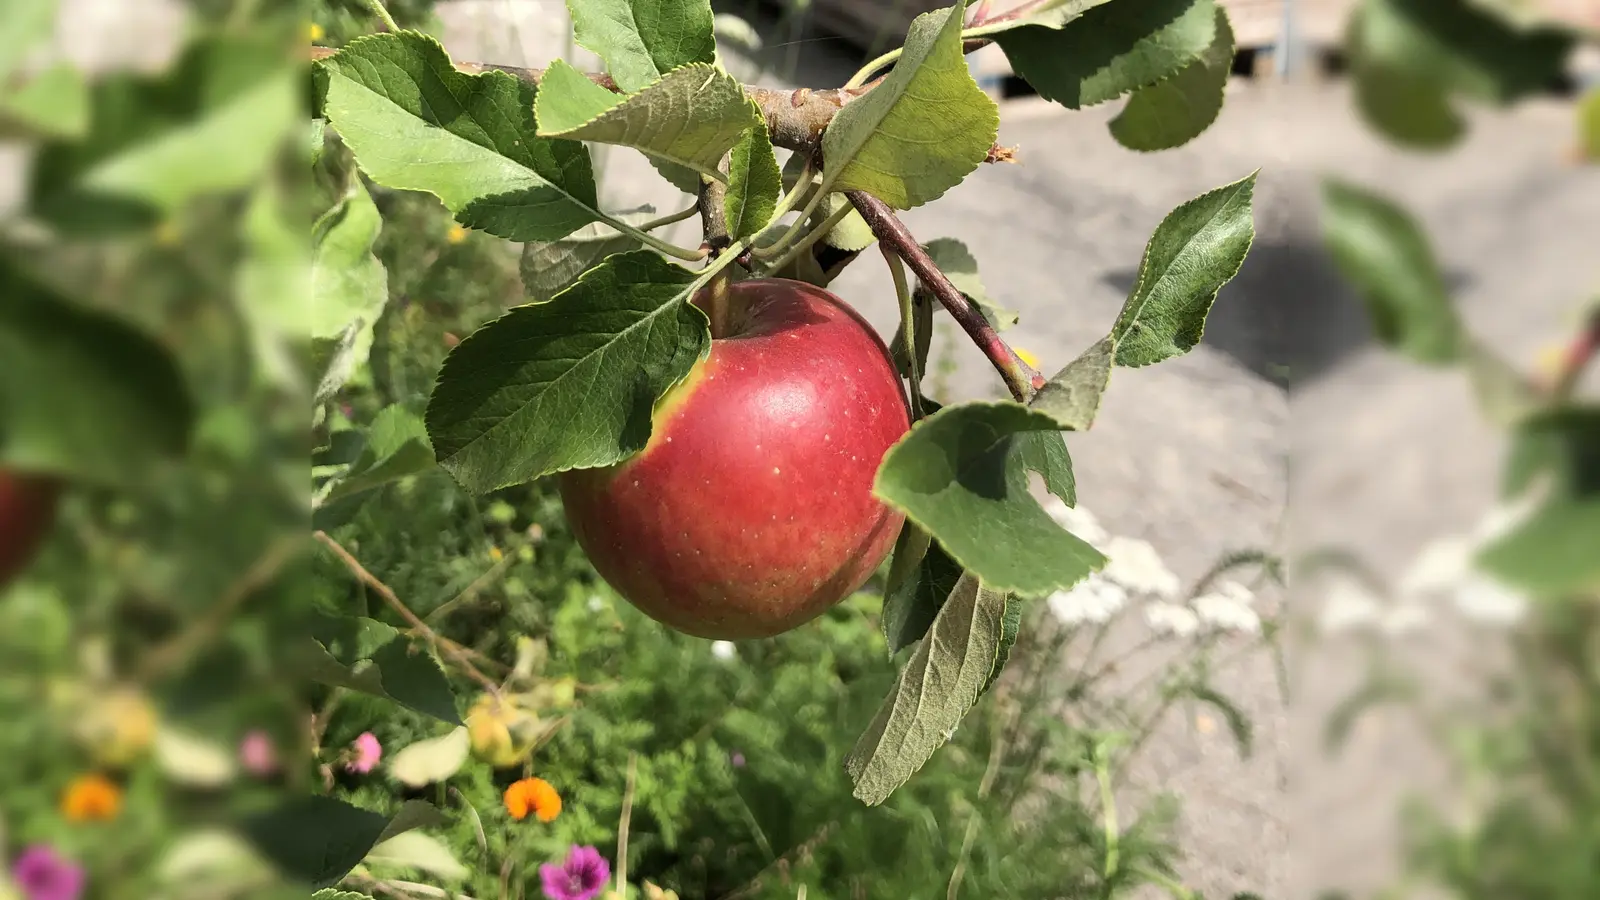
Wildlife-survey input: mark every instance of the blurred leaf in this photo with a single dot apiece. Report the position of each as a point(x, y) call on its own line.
point(432, 760)
point(1269, 563)
point(53, 103)
point(1562, 443)
point(690, 118)
point(319, 839)
point(81, 393)
point(332, 894)
point(1410, 110)
point(271, 284)
point(642, 41)
point(922, 306)
point(921, 576)
point(490, 168)
point(1195, 250)
point(23, 25)
point(399, 670)
point(753, 184)
point(349, 286)
point(595, 360)
point(1072, 395)
point(1552, 552)
point(1589, 125)
point(1010, 625)
point(1378, 691)
point(940, 682)
point(1110, 49)
point(550, 267)
point(1462, 48)
point(1238, 723)
point(924, 128)
point(191, 760)
point(397, 446)
point(962, 475)
point(417, 852)
point(958, 264)
point(1175, 111)
point(1385, 254)
point(214, 860)
point(1504, 396)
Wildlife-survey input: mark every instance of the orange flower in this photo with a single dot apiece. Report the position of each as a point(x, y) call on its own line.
point(533, 795)
point(91, 798)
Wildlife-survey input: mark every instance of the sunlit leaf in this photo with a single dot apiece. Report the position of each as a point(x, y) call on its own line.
point(754, 183)
point(642, 40)
point(1072, 395)
point(1172, 112)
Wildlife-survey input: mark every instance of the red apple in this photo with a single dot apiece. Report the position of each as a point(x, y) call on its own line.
point(27, 508)
point(750, 510)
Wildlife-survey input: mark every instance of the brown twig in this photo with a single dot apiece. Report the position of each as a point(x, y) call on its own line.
point(418, 627)
point(1019, 376)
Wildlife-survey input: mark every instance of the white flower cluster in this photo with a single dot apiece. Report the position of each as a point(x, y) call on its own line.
point(1134, 568)
point(1441, 573)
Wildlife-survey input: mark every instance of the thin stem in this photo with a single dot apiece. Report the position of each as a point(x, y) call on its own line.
point(902, 292)
point(654, 242)
point(382, 13)
point(1172, 887)
point(1108, 804)
point(670, 218)
point(622, 827)
point(816, 234)
point(419, 627)
point(1579, 354)
point(778, 247)
point(788, 200)
point(871, 68)
point(997, 752)
point(1019, 377)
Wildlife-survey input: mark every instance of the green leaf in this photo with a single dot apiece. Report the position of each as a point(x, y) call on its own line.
point(1045, 452)
point(642, 40)
point(1238, 723)
point(1050, 14)
point(318, 839)
point(1552, 552)
point(1504, 396)
point(550, 267)
point(54, 103)
point(433, 760)
point(961, 474)
point(1072, 396)
point(1385, 254)
point(690, 118)
point(349, 287)
point(1589, 126)
point(83, 394)
point(1195, 250)
point(1561, 444)
point(414, 851)
point(331, 894)
point(191, 760)
point(1403, 107)
point(754, 183)
point(921, 576)
point(23, 24)
point(1010, 626)
point(1173, 112)
point(851, 233)
point(923, 129)
point(958, 264)
point(570, 383)
point(1463, 47)
point(1110, 49)
point(468, 139)
point(397, 447)
point(398, 671)
point(940, 682)
point(271, 283)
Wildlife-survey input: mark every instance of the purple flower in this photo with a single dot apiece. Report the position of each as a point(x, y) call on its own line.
point(581, 877)
point(737, 759)
point(364, 754)
point(42, 874)
point(257, 753)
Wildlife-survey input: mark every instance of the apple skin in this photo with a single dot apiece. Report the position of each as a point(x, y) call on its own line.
point(27, 510)
point(750, 511)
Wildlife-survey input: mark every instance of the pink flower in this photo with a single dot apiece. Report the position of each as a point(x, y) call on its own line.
point(257, 753)
point(42, 874)
point(365, 751)
point(582, 876)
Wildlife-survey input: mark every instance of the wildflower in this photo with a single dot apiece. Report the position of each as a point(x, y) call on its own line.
point(90, 798)
point(580, 877)
point(1175, 619)
point(1094, 599)
point(1136, 566)
point(314, 32)
point(596, 603)
point(1437, 569)
point(365, 752)
point(1026, 357)
point(1229, 608)
point(1077, 520)
point(42, 874)
point(737, 760)
point(533, 795)
point(456, 235)
point(723, 650)
point(1349, 607)
point(652, 892)
point(118, 726)
point(257, 753)
point(1485, 600)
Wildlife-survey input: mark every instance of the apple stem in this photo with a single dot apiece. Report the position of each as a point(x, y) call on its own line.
point(1019, 377)
point(714, 222)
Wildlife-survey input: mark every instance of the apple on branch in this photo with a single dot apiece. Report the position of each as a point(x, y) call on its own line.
point(750, 511)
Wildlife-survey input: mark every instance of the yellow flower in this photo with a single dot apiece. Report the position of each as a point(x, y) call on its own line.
point(117, 727)
point(91, 798)
point(1027, 357)
point(533, 795)
point(457, 234)
point(314, 32)
point(651, 892)
point(496, 554)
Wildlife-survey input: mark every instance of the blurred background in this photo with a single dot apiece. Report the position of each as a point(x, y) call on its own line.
point(1380, 708)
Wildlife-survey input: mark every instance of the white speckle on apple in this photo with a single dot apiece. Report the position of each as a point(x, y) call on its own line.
point(776, 470)
point(827, 437)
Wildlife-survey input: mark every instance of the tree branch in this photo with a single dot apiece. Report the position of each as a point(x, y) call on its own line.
point(1019, 376)
point(795, 118)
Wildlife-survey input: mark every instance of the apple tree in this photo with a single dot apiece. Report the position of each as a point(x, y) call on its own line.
point(611, 356)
